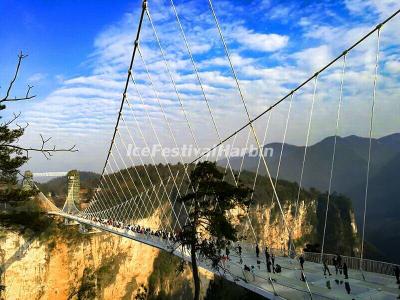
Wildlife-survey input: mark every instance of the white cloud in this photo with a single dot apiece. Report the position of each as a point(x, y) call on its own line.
point(382, 7)
point(259, 41)
point(393, 66)
point(313, 58)
point(37, 77)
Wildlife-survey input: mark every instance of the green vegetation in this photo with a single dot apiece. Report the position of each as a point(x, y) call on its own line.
point(210, 198)
point(130, 289)
point(87, 289)
point(340, 237)
point(108, 271)
point(166, 283)
point(220, 288)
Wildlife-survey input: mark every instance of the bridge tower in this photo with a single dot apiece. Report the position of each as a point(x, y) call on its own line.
point(72, 194)
point(27, 182)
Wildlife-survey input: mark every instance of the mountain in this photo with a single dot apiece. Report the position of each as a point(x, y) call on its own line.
point(349, 178)
point(383, 208)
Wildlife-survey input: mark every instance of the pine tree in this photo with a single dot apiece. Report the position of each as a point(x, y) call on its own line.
point(209, 229)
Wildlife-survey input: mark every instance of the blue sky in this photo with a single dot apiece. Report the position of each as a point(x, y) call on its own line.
point(79, 52)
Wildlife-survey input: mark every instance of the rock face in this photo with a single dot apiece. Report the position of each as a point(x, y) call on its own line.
point(100, 265)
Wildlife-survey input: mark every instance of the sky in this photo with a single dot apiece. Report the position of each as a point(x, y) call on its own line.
point(79, 54)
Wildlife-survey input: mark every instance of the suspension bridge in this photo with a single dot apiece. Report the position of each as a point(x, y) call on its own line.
point(137, 195)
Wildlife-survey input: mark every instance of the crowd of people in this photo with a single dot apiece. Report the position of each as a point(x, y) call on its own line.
point(160, 233)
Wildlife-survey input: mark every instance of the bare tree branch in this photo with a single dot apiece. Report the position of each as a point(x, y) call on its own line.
point(27, 96)
point(16, 116)
point(44, 148)
point(46, 151)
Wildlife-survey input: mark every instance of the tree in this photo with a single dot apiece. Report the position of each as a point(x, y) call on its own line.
point(209, 228)
point(13, 155)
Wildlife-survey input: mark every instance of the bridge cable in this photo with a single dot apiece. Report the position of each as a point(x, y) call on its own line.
point(259, 157)
point(305, 149)
point(145, 140)
point(333, 153)
point(144, 4)
point(164, 116)
point(123, 177)
point(283, 140)
point(174, 85)
point(371, 128)
point(195, 68)
point(236, 181)
point(141, 160)
point(155, 134)
point(134, 167)
point(147, 211)
point(137, 173)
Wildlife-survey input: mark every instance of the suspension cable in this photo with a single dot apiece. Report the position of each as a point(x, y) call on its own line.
point(306, 145)
point(333, 154)
point(371, 128)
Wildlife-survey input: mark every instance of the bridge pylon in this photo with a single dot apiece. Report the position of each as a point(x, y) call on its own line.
point(27, 182)
point(72, 195)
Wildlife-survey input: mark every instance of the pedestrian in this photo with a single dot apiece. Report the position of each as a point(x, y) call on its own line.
point(227, 252)
point(301, 259)
point(257, 251)
point(335, 264)
point(266, 254)
point(397, 274)
point(269, 266)
point(240, 250)
point(339, 262)
point(345, 273)
point(326, 268)
point(273, 259)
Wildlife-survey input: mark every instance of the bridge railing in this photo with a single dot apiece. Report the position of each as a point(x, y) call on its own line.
point(368, 265)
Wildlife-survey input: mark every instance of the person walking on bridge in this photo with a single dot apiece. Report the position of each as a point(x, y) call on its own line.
point(301, 260)
point(269, 265)
point(267, 256)
point(257, 251)
point(345, 271)
point(227, 252)
point(326, 268)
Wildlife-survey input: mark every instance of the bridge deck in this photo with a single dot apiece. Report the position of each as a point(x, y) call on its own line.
point(287, 284)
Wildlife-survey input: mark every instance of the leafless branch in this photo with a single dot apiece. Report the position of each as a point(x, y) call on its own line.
point(9, 122)
point(22, 127)
point(27, 96)
point(44, 149)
